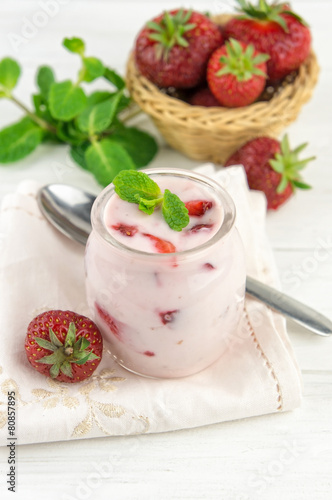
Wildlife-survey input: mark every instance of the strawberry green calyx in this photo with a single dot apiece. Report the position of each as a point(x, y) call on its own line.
point(64, 354)
point(288, 165)
point(265, 12)
point(170, 31)
point(241, 62)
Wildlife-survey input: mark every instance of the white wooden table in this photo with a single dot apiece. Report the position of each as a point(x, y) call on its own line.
point(285, 456)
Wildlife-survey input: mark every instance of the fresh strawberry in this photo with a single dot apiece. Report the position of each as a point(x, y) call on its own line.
point(236, 74)
point(125, 229)
point(203, 97)
point(271, 167)
point(275, 30)
point(198, 207)
point(162, 246)
point(173, 49)
point(64, 345)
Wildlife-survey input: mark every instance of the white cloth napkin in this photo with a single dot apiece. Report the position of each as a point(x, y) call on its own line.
point(41, 269)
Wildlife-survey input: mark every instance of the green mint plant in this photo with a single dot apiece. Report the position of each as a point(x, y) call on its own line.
point(137, 187)
point(94, 125)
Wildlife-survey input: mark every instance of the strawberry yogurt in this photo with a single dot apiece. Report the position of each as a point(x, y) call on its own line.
point(168, 302)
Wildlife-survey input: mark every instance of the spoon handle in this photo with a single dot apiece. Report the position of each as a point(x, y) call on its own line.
point(290, 307)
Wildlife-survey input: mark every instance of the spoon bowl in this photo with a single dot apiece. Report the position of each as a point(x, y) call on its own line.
point(68, 208)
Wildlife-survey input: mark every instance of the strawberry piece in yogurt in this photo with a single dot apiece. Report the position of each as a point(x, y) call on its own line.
point(198, 207)
point(199, 227)
point(125, 229)
point(162, 246)
point(168, 316)
point(110, 322)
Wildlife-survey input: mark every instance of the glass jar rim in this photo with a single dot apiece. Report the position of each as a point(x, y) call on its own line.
point(227, 203)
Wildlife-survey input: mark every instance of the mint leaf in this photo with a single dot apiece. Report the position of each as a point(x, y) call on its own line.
point(9, 74)
point(114, 78)
point(105, 160)
point(148, 206)
point(138, 187)
point(62, 113)
point(67, 133)
point(41, 108)
point(78, 154)
point(141, 146)
point(92, 68)
point(174, 211)
point(132, 186)
point(45, 78)
point(66, 100)
point(98, 96)
point(75, 45)
point(101, 96)
point(97, 118)
point(19, 140)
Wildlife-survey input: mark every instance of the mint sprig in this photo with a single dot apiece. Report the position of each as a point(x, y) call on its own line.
point(93, 125)
point(137, 187)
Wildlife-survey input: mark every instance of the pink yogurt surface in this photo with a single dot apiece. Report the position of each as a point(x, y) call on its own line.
point(120, 213)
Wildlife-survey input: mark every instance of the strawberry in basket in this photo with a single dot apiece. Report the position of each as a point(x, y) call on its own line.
point(272, 167)
point(173, 49)
point(275, 30)
point(236, 74)
point(203, 97)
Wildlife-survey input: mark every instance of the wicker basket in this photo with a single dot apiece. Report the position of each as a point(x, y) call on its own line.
point(213, 134)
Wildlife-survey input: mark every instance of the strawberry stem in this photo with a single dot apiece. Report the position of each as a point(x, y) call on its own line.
point(265, 12)
point(241, 62)
point(39, 121)
point(287, 164)
point(64, 355)
point(170, 31)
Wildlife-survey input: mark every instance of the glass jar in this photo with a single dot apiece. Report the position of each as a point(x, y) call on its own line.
point(166, 315)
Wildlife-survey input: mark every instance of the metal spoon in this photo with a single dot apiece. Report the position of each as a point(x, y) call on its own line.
point(68, 209)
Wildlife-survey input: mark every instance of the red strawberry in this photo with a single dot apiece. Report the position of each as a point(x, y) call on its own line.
point(198, 207)
point(162, 246)
point(203, 97)
point(125, 229)
point(275, 30)
point(173, 49)
point(64, 345)
point(271, 167)
point(236, 74)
